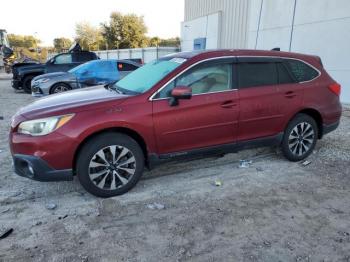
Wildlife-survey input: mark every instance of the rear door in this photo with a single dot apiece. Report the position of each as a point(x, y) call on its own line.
point(268, 94)
point(209, 118)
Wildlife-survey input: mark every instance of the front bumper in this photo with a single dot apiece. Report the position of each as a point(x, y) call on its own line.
point(36, 91)
point(16, 84)
point(37, 169)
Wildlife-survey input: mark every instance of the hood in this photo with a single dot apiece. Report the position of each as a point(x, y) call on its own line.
point(51, 75)
point(72, 102)
point(26, 66)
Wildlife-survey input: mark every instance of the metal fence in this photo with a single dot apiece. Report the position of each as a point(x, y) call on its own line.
point(146, 54)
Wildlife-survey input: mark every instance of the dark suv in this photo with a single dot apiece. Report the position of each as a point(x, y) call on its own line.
point(24, 73)
point(178, 106)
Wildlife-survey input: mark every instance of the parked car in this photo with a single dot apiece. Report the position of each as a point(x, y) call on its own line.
point(23, 73)
point(96, 72)
point(186, 104)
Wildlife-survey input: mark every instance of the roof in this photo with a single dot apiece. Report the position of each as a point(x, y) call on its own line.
point(205, 54)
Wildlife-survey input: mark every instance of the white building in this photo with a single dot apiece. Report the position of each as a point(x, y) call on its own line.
point(320, 27)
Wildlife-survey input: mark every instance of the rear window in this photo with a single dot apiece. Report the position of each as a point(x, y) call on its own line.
point(257, 74)
point(301, 71)
point(126, 67)
point(81, 57)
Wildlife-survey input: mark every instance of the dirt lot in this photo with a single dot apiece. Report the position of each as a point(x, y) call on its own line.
point(274, 210)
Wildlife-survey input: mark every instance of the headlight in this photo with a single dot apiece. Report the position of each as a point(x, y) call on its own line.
point(42, 80)
point(44, 126)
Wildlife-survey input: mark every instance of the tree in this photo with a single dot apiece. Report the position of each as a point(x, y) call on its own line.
point(125, 31)
point(61, 44)
point(26, 41)
point(154, 41)
point(88, 36)
point(173, 42)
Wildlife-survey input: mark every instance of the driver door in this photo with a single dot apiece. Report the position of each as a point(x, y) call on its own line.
point(61, 63)
point(209, 118)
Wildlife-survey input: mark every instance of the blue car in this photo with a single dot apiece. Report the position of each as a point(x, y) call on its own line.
point(97, 72)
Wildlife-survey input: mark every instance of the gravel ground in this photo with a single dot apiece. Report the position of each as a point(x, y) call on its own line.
point(273, 210)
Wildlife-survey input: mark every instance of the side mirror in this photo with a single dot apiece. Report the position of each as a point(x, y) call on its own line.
point(180, 92)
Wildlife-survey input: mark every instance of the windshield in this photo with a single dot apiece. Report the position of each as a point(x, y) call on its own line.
point(144, 78)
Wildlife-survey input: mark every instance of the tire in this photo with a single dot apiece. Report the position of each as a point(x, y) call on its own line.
point(95, 171)
point(27, 86)
point(60, 88)
point(300, 138)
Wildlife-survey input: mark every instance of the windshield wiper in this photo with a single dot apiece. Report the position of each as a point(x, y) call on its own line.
point(114, 88)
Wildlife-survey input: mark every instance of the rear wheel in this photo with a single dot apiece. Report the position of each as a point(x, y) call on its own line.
point(300, 138)
point(110, 165)
point(59, 88)
point(27, 84)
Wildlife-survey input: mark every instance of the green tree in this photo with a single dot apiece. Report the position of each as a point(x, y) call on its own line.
point(173, 42)
point(61, 44)
point(125, 31)
point(154, 41)
point(88, 36)
point(26, 41)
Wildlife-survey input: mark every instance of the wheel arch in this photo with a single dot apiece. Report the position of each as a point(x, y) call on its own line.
point(316, 115)
point(122, 130)
point(55, 84)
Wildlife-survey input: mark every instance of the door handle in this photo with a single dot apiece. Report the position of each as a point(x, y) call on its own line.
point(290, 94)
point(229, 104)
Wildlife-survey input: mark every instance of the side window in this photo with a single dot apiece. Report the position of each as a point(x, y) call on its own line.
point(257, 74)
point(284, 76)
point(126, 67)
point(302, 71)
point(63, 59)
point(82, 57)
point(203, 79)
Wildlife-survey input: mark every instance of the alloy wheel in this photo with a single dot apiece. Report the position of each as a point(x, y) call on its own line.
point(301, 139)
point(112, 167)
point(60, 89)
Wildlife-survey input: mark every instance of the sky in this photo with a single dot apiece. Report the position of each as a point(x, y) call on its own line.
point(47, 19)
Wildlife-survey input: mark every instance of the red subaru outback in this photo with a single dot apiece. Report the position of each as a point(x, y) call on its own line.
point(181, 105)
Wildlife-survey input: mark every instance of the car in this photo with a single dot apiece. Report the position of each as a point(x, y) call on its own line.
point(23, 73)
point(182, 105)
point(92, 73)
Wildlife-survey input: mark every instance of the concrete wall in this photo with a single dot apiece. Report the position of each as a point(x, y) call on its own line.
point(320, 27)
point(208, 27)
point(233, 25)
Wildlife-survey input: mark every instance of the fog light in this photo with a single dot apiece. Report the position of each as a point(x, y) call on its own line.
point(31, 170)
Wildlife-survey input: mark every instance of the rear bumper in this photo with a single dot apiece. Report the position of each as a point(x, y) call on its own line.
point(330, 128)
point(37, 169)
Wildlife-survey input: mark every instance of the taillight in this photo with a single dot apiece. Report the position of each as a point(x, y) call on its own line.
point(335, 88)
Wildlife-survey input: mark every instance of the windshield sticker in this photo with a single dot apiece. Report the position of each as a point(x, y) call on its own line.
point(178, 60)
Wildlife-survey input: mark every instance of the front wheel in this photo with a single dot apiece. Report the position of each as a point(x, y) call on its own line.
point(300, 138)
point(27, 84)
point(59, 88)
point(110, 165)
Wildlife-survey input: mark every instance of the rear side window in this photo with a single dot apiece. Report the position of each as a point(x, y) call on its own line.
point(284, 76)
point(81, 57)
point(257, 74)
point(126, 67)
point(302, 71)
